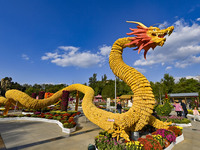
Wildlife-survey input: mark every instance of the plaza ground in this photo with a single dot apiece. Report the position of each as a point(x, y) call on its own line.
point(31, 135)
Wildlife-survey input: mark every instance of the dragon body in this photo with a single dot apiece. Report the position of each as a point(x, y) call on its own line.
point(139, 114)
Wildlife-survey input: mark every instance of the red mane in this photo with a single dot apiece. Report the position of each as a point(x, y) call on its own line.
point(141, 40)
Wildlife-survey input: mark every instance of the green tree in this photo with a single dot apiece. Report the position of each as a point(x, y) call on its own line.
point(31, 90)
point(187, 85)
point(93, 81)
point(108, 91)
point(168, 83)
point(104, 78)
point(158, 90)
point(5, 85)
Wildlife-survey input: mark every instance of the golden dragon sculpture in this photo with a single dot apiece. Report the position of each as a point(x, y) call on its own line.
point(139, 114)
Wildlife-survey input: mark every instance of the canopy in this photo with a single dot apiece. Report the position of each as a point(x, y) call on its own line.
point(98, 97)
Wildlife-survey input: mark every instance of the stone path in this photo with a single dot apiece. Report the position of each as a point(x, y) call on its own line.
point(192, 137)
point(30, 135)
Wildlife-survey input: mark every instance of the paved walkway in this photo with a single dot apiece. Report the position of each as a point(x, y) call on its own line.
point(29, 135)
point(192, 137)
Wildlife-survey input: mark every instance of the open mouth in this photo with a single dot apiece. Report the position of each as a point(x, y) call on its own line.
point(160, 35)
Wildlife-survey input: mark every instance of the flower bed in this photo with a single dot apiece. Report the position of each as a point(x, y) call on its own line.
point(65, 130)
point(175, 119)
point(64, 119)
point(158, 140)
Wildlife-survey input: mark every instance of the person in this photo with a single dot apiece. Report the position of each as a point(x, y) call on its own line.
point(190, 106)
point(178, 108)
point(185, 111)
point(119, 107)
point(195, 113)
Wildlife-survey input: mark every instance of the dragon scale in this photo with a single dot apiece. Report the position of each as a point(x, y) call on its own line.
point(139, 114)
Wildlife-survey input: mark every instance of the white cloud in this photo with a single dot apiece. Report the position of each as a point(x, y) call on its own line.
point(25, 57)
point(187, 77)
point(198, 19)
point(168, 68)
point(105, 50)
point(72, 49)
point(71, 56)
point(181, 49)
point(50, 56)
point(141, 70)
point(193, 77)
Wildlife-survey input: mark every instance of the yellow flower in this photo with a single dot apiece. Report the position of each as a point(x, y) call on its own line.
point(179, 127)
point(137, 143)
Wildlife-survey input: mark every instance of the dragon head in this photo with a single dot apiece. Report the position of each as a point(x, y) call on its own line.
point(148, 37)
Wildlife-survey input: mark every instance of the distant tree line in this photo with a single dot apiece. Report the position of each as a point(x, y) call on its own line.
point(7, 84)
point(106, 87)
point(168, 85)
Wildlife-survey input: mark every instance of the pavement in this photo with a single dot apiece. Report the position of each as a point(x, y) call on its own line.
point(32, 135)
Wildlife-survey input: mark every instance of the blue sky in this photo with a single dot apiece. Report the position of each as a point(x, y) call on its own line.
point(66, 41)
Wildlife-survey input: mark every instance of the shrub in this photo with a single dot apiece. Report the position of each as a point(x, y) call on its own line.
point(71, 119)
point(154, 142)
point(47, 116)
point(134, 145)
point(37, 113)
point(53, 112)
point(74, 123)
point(54, 117)
point(58, 118)
point(105, 133)
point(168, 135)
point(68, 125)
point(147, 144)
point(28, 115)
point(175, 119)
point(33, 115)
point(50, 117)
point(106, 143)
point(66, 114)
point(160, 139)
point(164, 110)
point(176, 130)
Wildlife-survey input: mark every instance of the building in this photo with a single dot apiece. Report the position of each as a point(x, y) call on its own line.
point(184, 96)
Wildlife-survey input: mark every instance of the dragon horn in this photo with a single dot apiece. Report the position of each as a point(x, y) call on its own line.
point(137, 23)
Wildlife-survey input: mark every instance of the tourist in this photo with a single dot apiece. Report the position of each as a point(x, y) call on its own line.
point(178, 108)
point(185, 111)
point(190, 105)
point(119, 107)
point(195, 113)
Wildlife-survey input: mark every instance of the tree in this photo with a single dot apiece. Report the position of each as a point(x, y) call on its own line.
point(104, 78)
point(93, 81)
point(168, 83)
point(187, 86)
point(5, 85)
point(31, 90)
point(158, 90)
point(108, 91)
